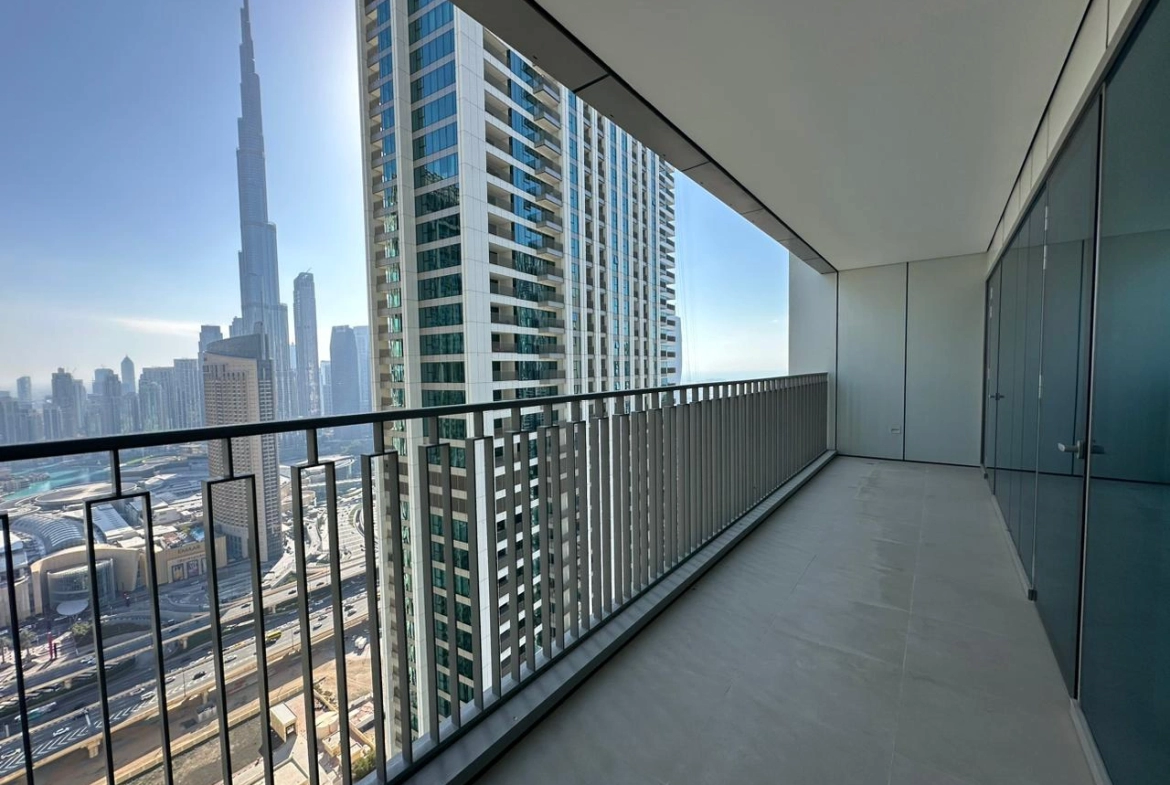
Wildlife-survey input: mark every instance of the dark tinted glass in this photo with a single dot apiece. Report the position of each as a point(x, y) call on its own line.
point(1072, 201)
point(1125, 687)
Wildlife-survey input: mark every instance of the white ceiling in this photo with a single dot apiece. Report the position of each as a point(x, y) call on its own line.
point(881, 131)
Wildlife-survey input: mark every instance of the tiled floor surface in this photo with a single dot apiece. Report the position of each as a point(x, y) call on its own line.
point(872, 631)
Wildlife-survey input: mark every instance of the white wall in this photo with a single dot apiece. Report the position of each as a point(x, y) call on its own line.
point(871, 361)
point(812, 304)
point(944, 358)
point(906, 345)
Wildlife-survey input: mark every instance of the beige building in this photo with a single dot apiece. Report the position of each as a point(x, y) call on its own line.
point(238, 388)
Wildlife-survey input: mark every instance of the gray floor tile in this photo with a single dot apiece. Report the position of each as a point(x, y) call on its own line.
point(762, 742)
point(865, 584)
point(849, 692)
point(871, 631)
point(904, 771)
point(999, 610)
point(1008, 666)
point(861, 628)
point(986, 739)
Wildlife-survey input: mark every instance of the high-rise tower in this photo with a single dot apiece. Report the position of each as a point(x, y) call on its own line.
point(237, 388)
point(305, 330)
point(261, 310)
point(345, 381)
point(519, 246)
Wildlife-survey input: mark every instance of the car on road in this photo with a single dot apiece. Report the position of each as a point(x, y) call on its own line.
point(198, 675)
point(60, 731)
point(170, 679)
point(231, 658)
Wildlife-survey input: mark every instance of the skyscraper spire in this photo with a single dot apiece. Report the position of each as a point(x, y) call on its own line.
point(259, 270)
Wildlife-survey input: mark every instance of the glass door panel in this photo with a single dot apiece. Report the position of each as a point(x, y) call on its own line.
point(1072, 204)
point(1125, 668)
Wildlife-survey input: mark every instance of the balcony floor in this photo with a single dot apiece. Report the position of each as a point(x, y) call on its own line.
point(873, 630)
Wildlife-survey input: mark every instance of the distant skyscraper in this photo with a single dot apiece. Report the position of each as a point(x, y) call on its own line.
point(24, 389)
point(156, 398)
point(100, 375)
point(261, 309)
point(128, 377)
point(65, 401)
point(105, 418)
point(343, 360)
point(238, 388)
point(305, 331)
point(362, 336)
point(208, 334)
point(236, 328)
point(188, 394)
point(326, 388)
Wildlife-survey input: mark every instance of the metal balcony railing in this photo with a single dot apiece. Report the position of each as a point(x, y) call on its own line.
point(393, 633)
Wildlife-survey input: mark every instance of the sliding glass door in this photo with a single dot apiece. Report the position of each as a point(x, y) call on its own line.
point(1125, 665)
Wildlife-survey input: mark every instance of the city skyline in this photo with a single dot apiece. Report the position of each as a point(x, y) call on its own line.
point(153, 312)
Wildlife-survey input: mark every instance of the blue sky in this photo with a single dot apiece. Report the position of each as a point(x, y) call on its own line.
point(118, 206)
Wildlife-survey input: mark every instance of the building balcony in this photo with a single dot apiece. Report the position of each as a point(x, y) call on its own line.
point(522, 376)
point(548, 171)
point(550, 324)
point(547, 92)
point(544, 298)
point(548, 119)
point(549, 197)
point(507, 347)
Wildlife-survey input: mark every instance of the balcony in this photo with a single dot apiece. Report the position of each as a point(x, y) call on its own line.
point(507, 347)
point(524, 376)
point(544, 298)
point(546, 118)
point(635, 490)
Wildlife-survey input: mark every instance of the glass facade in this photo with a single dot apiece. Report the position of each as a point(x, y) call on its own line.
point(1076, 436)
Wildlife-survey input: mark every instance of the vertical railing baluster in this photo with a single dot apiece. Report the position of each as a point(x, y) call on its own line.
point(510, 555)
point(428, 645)
point(637, 502)
point(301, 565)
point(670, 489)
point(608, 517)
point(214, 613)
point(625, 479)
point(596, 520)
point(259, 633)
point(160, 671)
point(543, 522)
point(99, 646)
point(340, 669)
point(373, 611)
point(564, 587)
point(530, 582)
point(471, 494)
point(654, 494)
point(18, 652)
point(399, 568)
point(450, 588)
point(577, 532)
point(487, 445)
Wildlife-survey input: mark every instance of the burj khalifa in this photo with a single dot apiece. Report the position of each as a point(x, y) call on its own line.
point(260, 306)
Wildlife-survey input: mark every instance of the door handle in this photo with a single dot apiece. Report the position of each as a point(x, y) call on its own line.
point(995, 397)
point(1075, 449)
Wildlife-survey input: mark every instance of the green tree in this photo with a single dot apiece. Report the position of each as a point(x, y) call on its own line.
point(363, 765)
point(82, 631)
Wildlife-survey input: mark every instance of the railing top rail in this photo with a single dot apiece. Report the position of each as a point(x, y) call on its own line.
point(135, 441)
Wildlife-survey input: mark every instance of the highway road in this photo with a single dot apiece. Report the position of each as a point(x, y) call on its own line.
point(353, 570)
point(74, 721)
